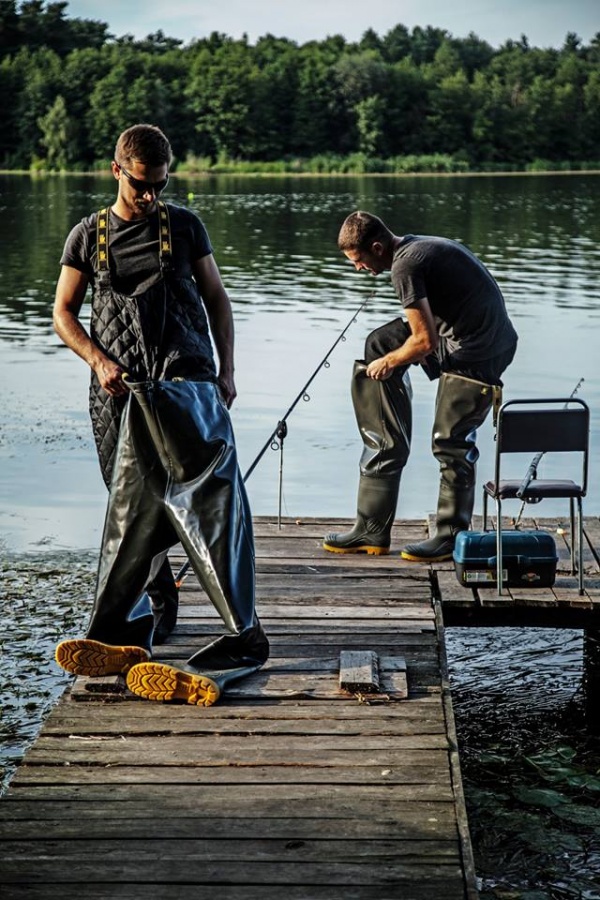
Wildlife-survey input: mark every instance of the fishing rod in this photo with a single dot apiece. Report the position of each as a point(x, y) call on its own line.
point(531, 473)
point(279, 433)
point(280, 430)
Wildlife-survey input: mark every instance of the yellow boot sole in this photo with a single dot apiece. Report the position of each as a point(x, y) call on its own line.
point(93, 658)
point(425, 559)
point(363, 548)
point(157, 681)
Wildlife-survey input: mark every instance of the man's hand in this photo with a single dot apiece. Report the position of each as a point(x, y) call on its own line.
point(380, 369)
point(110, 376)
point(227, 387)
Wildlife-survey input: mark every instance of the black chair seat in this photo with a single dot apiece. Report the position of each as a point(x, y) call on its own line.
point(536, 490)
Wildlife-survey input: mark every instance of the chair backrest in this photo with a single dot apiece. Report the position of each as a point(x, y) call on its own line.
point(542, 425)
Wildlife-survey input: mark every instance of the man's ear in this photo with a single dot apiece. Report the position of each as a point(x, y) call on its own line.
point(377, 248)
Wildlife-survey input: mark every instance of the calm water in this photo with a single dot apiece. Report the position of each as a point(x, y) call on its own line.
point(292, 295)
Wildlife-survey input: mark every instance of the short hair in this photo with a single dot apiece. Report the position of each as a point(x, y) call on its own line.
point(361, 229)
point(145, 144)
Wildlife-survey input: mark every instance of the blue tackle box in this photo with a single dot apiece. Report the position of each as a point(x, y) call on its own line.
point(528, 559)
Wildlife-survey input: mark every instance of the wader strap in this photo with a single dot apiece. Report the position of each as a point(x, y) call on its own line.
point(102, 268)
point(165, 248)
point(496, 402)
point(165, 245)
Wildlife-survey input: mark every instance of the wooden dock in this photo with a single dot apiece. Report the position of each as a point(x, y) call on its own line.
point(290, 786)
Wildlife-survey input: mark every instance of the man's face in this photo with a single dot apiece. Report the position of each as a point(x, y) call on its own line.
point(367, 260)
point(140, 185)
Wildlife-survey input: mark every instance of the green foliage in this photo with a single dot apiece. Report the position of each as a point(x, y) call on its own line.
point(405, 101)
point(57, 135)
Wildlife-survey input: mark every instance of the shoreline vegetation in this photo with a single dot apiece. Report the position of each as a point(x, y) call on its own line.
point(332, 165)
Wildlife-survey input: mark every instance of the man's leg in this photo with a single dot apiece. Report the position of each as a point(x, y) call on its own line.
point(106, 413)
point(383, 413)
point(462, 405)
point(136, 530)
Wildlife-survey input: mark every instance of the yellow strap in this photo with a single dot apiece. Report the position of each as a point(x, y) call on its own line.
point(165, 247)
point(496, 402)
point(102, 240)
point(164, 244)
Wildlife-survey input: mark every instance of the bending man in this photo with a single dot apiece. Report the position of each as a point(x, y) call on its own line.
point(458, 330)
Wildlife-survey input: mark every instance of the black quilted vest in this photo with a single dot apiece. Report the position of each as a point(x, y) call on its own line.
point(159, 334)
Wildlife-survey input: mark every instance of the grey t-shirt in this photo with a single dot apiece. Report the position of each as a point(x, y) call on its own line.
point(134, 248)
point(468, 307)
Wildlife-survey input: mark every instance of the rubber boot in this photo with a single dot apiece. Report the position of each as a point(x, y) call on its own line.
point(462, 405)
point(376, 509)
point(205, 676)
point(383, 413)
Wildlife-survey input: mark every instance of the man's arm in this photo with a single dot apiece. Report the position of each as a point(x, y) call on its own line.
point(422, 341)
point(70, 293)
point(218, 307)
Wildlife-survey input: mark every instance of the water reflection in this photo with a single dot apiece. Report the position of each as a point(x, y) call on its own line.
point(274, 240)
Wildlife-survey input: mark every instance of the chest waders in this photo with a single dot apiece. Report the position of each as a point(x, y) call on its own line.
point(383, 415)
point(175, 479)
point(383, 411)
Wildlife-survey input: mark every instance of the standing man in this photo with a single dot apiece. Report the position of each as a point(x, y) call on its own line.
point(458, 330)
point(160, 420)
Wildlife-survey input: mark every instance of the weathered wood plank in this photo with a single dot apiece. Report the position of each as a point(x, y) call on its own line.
point(384, 871)
point(359, 671)
point(81, 820)
point(269, 850)
point(329, 750)
point(412, 771)
point(93, 890)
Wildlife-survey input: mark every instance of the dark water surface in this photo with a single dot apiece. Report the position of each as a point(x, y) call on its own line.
point(531, 773)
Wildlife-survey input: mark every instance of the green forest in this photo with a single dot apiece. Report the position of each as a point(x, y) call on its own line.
point(408, 100)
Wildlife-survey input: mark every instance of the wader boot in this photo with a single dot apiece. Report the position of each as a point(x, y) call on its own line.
point(462, 405)
point(177, 479)
point(383, 413)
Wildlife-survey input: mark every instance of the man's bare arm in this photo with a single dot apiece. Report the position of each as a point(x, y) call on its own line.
point(70, 293)
point(422, 341)
point(218, 307)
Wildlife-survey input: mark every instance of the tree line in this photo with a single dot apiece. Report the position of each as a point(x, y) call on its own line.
point(415, 97)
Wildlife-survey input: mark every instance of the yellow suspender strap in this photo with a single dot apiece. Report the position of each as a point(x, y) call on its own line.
point(102, 241)
point(165, 248)
point(496, 402)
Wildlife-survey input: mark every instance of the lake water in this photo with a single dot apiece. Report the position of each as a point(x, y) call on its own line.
point(292, 295)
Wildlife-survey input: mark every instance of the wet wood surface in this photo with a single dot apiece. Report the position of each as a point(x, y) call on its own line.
point(291, 785)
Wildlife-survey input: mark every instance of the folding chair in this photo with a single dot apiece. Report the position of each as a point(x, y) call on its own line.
point(541, 426)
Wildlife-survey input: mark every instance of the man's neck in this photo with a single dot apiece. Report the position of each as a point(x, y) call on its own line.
point(129, 214)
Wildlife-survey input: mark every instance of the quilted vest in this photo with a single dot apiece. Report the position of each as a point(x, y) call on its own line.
point(159, 334)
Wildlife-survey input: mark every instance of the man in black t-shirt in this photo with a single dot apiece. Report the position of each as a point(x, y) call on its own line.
point(163, 434)
point(458, 330)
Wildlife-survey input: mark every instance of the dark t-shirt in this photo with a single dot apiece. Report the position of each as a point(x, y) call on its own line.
point(468, 307)
point(134, 248)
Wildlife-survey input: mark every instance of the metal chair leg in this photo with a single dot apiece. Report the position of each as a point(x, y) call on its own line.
point(573, 536)
point(580, 544)
point(499, 546)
